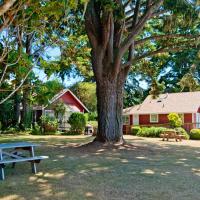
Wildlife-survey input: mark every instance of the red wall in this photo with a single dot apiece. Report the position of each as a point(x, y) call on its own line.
point(188, 118)
point(69, 99)
point(144, 119)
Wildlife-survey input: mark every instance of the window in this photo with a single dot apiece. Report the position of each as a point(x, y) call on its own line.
point(154, 118)
point(49, 113)
point(126, 119)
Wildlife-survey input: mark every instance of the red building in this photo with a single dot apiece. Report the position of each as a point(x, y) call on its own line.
point(154, 112)
point(71, 103)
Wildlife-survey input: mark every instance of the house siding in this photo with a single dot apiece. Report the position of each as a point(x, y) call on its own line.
point(188, 118)
point(144, 119)
point(69, 99)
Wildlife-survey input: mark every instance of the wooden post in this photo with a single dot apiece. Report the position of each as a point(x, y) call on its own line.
point(33, 164)
point(2, 175)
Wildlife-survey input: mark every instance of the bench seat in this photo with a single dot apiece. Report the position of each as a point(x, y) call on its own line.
point(28, 159)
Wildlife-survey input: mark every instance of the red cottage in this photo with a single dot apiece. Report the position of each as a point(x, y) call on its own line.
point(71, 103)
point(153, 112)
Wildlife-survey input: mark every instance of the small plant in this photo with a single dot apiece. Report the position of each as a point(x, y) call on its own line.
point(36, 130)
point(195, 134)
point(78, 122)
point(49, 124)
point(135, 130)
point(175, 120)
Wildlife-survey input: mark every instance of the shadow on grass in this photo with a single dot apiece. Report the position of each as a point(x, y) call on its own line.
point(137, 170)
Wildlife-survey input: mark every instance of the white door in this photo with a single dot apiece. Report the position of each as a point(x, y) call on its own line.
point(135, 120)
point(198, 120)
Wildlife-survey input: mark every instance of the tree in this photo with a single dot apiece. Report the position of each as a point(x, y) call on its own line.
point(86, 92)
point(118, 33)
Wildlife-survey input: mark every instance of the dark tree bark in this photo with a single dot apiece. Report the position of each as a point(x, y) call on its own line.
point(25, 118)
point(110, 107)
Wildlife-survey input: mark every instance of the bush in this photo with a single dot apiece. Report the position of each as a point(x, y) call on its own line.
point(49, 124)
point(135, 130)
point(182, 131)
point(175, 120)
point(150, 131)
point(92, 116)
point(78, 122)
point(36, 130)
point(195, 134)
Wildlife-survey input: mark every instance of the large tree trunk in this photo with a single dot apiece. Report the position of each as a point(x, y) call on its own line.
point(110, 107)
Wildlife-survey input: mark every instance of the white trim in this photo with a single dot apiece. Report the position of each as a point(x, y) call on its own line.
point(156, 120)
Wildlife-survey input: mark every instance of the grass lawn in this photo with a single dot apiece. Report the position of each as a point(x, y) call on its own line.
point(148, 169)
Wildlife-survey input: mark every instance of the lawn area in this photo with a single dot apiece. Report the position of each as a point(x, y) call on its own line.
point(146, 169)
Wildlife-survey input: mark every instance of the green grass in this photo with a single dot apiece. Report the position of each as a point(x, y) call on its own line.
point(149, 169)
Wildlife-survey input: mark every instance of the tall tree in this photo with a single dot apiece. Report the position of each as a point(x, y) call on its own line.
point(119, 32)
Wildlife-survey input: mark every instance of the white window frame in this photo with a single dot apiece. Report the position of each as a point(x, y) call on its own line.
point(127, 121)
point(152, 121)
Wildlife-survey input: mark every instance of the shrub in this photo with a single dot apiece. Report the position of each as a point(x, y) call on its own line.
point(92, 116)
point(195, 134)
point(49, 124)
point(135, 130)
point(182, 131)
point(150, 132)
point(36, 130)
point(175, 120)
point(78, 122)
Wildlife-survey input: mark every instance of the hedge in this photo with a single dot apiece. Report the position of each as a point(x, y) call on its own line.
point(150, 131)
point(135, 130)
point(195, 134)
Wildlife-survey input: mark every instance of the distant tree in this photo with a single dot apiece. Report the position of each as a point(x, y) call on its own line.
point(86, 92)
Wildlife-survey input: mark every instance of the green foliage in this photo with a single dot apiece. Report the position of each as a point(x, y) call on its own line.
point(189, 82)
point(175, 120)
point(135, 130)
point(93, 123)
point(77, 122)
point(92, 116)
point(150, 131)
point(182, 131)
point(86, 92)
point(36, 130)
point(46, 91)
point(50, 124)
point(195, 134)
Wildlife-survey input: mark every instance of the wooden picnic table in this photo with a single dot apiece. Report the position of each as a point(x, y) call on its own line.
point(10, 153)
point(172, 134)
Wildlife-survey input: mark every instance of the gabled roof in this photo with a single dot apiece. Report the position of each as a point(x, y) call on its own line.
point(61, 93)
point(185, 102)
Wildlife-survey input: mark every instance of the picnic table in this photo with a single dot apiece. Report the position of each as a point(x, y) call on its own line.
point(12, 153)
point(170, 134)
